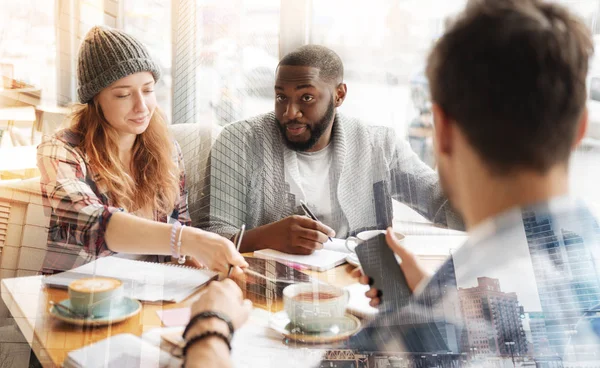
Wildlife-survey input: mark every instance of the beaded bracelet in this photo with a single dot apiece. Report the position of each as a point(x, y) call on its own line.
point(176, 225)
point(203, 336)
point(206, 315)
point(181, 257)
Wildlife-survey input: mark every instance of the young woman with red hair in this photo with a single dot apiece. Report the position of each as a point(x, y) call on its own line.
point(115, 179)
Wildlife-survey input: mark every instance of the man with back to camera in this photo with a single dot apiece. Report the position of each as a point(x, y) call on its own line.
point(347, 172)
point(508, 85)
point(505, 71)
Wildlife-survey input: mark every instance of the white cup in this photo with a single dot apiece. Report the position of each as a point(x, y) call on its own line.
point(95, 296)
point(315, 307)
point(353, 241)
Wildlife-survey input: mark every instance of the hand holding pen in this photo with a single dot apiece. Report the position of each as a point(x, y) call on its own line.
point(309, 213)
point(238, 243)
point(294, 234)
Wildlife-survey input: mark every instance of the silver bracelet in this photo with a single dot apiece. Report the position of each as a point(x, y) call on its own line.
point(181, 259)
point(176, 225)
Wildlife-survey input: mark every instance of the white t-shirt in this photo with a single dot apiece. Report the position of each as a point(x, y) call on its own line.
point(308, 176)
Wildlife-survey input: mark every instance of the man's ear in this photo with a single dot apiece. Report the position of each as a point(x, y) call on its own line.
point(443, 131)
point(340, 94)
point(581, 128)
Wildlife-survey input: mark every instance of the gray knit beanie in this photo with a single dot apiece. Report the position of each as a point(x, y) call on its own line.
point(107, 55)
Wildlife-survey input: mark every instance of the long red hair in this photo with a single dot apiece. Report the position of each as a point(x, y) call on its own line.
point(154, 178)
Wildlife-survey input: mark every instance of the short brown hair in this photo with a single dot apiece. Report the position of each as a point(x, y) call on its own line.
point(512, 74)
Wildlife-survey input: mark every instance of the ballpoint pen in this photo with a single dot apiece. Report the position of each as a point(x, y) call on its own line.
point(238, 243)
point(309, 213)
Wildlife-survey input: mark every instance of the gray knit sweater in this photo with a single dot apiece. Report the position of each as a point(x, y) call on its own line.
point(370, 167)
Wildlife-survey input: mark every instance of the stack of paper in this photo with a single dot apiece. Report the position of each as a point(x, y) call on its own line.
point(124, 350)
point(254, 345)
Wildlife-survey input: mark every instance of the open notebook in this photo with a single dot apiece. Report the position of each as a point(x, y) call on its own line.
point(141, 280)
point(320, 260)
point(333, 254)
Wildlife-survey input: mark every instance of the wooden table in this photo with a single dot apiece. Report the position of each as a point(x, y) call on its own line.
point(52, 340)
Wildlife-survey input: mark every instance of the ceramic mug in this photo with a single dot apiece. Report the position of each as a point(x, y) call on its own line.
point(353, 241)
point(314, 307)
point(95, 296)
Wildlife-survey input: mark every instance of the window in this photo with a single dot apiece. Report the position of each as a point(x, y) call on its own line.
point(384, 67)
point(150, 21)
point(234, 53)
point(28, 47)
point(27, 81)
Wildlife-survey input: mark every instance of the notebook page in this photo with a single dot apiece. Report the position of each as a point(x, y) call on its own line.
point(320, 260)
point(336, 244)
point(254, 345)
point(141, 280)
point(123, 350)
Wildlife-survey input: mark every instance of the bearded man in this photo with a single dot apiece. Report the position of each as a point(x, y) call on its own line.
point(346, 171)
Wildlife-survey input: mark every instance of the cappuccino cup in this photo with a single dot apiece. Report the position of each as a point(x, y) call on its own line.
point(95, 296)
point(315, 307)
point(353, 241)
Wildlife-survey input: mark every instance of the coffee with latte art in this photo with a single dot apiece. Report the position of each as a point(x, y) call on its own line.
point(95, 284)
point(95, 296)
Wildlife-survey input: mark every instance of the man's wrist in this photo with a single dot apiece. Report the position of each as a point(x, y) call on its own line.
point(250, 239)
point(208, 324)
point(211, 351)
point(260, 238)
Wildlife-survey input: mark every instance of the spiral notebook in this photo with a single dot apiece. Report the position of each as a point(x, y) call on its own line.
point(141, 280)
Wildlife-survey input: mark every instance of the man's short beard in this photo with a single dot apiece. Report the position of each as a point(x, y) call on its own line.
point(316, 131)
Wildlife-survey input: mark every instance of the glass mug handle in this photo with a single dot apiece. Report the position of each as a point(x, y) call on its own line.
point(351, 243)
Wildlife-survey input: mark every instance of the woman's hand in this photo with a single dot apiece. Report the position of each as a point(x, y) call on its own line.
point(211, 250)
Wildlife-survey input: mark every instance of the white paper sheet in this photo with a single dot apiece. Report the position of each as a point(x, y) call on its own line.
point(320, 260)
point(256, 345)
point(123, 350)
point(141, 280)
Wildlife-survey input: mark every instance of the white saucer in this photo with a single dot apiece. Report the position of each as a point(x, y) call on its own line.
point(352, 258)
point(128, 308)
point(343, 328)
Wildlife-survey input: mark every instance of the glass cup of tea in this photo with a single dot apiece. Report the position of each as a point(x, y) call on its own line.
point(315, 307)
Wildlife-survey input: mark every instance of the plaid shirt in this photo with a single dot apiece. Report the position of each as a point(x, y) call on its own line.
point(79, 208)
point(540, 260)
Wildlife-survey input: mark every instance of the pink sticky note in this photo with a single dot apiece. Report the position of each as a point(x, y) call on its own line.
point(174, 317)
